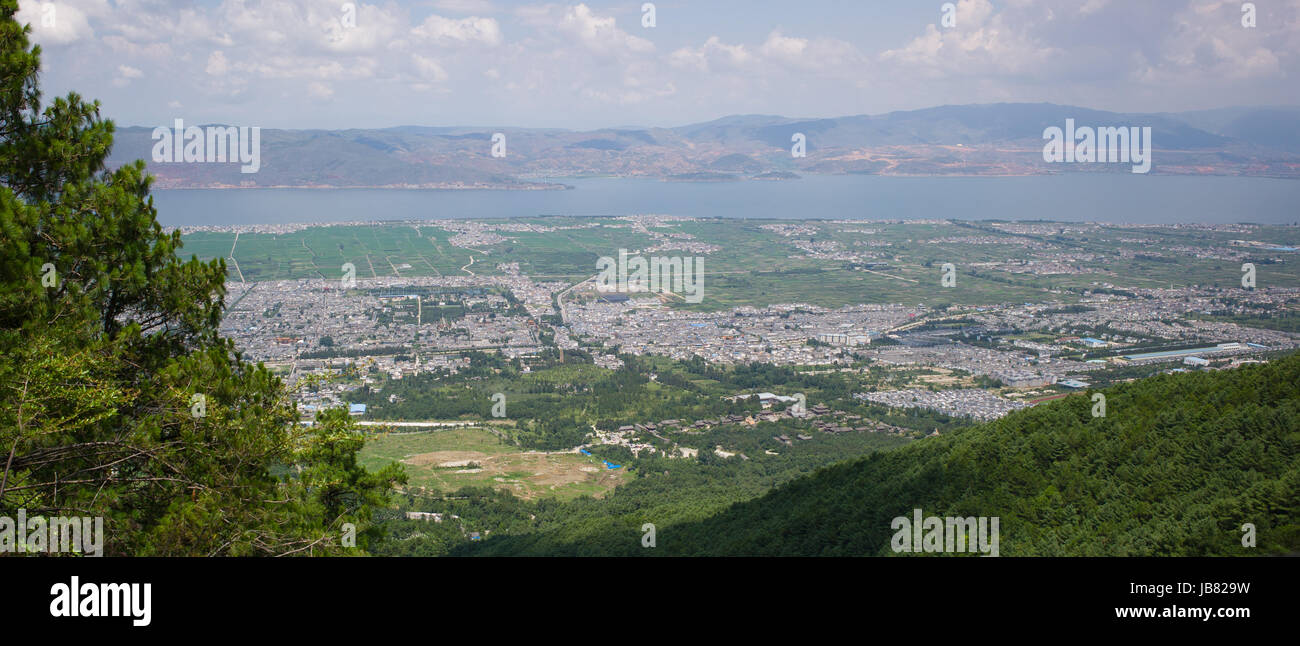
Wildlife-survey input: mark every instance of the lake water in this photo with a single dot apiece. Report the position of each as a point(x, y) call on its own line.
point(1115, 198)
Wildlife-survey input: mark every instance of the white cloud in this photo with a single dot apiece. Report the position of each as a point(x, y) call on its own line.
point(217, 64)
point(601, 35)
point(784, 48)
point(822, 56)
point(458, 31)
point(1092, 6)
point(428, 69)
point(568, 62)
point(124, 75)
point(55, 23)
point(465, 6)
point(984, 42)
point(1201, 46)
point(370, 29)
point(711, 54)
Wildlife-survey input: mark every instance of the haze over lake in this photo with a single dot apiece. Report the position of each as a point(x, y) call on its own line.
point(1109, 197)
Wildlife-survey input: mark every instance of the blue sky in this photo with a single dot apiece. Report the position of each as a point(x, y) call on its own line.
point(309, 64)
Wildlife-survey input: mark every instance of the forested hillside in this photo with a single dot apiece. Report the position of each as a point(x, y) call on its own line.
point(119, 398)
point(1177, 465)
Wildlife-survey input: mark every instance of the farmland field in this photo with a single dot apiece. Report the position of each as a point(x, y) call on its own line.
point(825, 263)
point(446, 460)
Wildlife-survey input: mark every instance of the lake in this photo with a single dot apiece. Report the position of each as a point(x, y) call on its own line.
point(1091, 197)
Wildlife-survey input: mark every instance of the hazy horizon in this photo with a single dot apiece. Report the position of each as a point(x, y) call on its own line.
point(635, 126)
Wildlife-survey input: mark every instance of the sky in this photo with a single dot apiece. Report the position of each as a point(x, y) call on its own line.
point(339, 64)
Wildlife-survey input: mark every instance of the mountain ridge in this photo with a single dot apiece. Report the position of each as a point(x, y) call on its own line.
point(973, 139)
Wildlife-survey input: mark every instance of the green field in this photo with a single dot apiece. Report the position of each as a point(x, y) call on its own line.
point(443, 461)
point(756, 266)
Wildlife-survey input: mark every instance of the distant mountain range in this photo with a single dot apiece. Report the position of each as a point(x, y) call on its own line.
point(992, 139)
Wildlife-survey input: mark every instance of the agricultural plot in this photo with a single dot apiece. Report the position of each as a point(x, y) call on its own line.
point(446, 460)
point(761, 262)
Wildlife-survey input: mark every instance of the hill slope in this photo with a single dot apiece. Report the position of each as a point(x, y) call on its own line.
point(995, 139)
point(1175, 468)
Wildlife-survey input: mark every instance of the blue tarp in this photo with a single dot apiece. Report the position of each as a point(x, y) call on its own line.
point(611, 466)
point(584, 451)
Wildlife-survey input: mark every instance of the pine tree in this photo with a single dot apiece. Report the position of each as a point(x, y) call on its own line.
point(118, 396)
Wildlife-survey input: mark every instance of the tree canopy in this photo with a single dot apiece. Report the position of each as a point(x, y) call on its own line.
point(1177, 466)
point(118, 396)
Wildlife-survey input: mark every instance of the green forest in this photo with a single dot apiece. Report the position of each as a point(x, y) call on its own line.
point(1176, 467)
point(556, 403)
point(118, 397)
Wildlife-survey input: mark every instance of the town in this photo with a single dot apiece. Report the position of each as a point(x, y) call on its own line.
point(966, 360)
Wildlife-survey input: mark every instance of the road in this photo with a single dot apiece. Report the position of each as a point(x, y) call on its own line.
point(559, 298)
point(922, 321)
